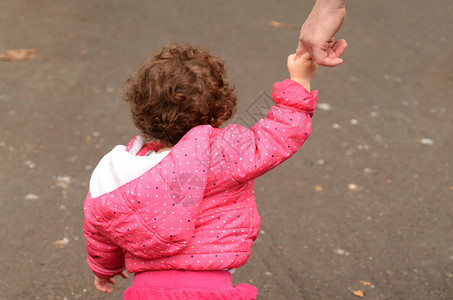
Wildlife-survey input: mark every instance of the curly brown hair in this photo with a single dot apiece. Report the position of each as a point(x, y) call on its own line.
point(177, 89)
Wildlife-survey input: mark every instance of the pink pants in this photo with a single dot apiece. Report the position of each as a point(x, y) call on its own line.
point(187, 285)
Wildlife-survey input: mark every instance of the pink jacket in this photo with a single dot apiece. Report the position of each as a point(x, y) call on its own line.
point(195, 209)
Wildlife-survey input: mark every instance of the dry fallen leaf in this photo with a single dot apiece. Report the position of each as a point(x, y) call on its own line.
point(18, 54)
point(277, 24)
point(353, 187)
point(340, 251)
point(365, 282)
point(318, 188)
point(61, 243)
point(358, 293)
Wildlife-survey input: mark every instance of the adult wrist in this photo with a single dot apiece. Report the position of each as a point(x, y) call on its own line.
point(330, 4)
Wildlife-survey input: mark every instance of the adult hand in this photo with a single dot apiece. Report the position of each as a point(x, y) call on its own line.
point(104, 284)
point(318, 32)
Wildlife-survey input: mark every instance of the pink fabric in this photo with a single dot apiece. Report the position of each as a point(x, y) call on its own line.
point(187, 285)
point(196, 209)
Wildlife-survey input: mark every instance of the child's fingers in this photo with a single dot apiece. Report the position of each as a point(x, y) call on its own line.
point(298, 58)
point(302, 55)
point(106, 289)
point(103, 286)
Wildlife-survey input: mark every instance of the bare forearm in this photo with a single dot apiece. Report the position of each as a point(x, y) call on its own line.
point(335, 4)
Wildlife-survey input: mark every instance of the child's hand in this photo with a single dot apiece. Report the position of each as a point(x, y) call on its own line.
point(103, 284)
point(302, 68)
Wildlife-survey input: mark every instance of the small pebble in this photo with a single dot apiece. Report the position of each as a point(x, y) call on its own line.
point(349, 152)
point(324, 106)
point(363, 147)
point(31, 197)
point(29, 164)
point(63, 181)
point(427, 141)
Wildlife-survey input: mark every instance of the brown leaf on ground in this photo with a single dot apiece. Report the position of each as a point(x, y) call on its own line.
point(358, 293)
point(277, 24)
point(365, 282)
point(61, 243)
point(318, 188)
point(18, 54)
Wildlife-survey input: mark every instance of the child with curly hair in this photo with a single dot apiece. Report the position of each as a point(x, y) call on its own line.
point(176, 206)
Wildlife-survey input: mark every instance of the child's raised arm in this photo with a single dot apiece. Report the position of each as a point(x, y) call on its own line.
point(249, 153)
point(302, 69)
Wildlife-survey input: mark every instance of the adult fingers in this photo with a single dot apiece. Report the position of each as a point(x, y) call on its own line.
point(319, 55)
point(332, 54)
point(339, 47)
point(331, 62)
point(301, 49)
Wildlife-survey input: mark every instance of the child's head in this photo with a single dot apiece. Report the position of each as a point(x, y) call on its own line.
point(177, 89)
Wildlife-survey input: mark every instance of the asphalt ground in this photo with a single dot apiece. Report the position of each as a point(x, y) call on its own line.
point(364, 207)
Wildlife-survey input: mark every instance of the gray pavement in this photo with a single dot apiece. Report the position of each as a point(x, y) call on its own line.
point(365, 206)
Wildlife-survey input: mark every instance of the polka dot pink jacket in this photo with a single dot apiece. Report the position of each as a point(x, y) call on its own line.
point(195, 209)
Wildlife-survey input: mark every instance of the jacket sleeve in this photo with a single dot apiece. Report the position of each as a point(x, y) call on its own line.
point(104, 257)
point(249, 153)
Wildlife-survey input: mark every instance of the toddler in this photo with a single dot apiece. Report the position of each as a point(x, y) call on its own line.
point(176, 206)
